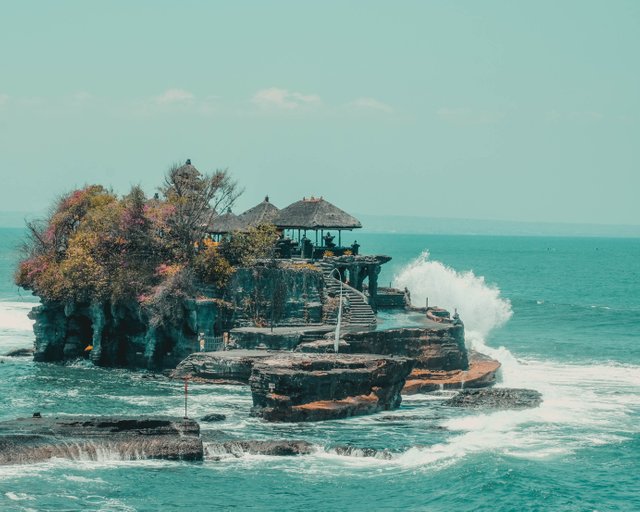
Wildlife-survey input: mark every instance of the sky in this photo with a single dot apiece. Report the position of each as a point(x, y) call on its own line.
point(514, 111)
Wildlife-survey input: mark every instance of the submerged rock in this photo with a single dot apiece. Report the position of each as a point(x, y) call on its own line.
point(20, 352)
point(313, 387)
point(210, 418)
point(238, 448)
point(354, 451)
point(29, 440)
point(496, 398)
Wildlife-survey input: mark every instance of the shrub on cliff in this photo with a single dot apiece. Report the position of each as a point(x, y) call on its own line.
point(211, 267)
point(66, 255)
point(165, 303)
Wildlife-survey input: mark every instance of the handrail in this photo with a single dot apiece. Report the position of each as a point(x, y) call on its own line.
point(352, 289)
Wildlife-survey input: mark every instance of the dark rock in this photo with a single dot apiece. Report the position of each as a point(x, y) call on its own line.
point(238, 448)
point(211, 418)
point(496, 398)
point(354, 451)
point(314, 387)
point(121, 336)
point(27, 440)
point(20, 352)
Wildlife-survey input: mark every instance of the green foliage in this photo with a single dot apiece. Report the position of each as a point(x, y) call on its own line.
point(212, 268)
point(244, 248)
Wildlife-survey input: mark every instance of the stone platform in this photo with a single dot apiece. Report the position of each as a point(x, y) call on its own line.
point(435, 345)
point(278, 338)
point(223, 367)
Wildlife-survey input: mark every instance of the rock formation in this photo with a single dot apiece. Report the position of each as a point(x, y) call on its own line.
point(314, 387)
point(125, 336)
point(437, 346)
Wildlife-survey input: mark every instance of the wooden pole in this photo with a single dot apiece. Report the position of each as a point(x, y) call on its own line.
point(186, 394)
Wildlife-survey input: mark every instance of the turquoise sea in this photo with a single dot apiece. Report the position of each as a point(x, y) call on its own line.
point(561, 314)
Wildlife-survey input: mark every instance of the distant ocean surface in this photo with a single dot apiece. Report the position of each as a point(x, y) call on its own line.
point(561, 314)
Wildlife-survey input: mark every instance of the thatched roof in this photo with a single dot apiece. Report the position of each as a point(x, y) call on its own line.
point(263, 213)
point(315, 213)
point(225, 223)
point(187, 170)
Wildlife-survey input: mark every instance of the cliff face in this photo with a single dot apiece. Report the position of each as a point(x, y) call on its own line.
point(126, 336)
point(120, 336)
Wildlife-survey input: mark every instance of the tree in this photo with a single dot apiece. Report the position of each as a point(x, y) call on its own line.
point(195, 198)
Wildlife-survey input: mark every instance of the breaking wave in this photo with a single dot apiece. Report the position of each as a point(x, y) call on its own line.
point(13, 316)
point(479, 304)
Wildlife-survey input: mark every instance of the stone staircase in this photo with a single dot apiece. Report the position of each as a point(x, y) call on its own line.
point(356, 312)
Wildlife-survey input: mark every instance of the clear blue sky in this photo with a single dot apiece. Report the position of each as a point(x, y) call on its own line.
point(500, 110)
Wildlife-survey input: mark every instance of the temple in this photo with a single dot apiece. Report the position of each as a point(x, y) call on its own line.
point(310, 232)
point(283, 304)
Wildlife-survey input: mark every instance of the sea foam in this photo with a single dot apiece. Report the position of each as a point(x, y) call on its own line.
point(13, 316)
point(480, 305)
point(583, 405)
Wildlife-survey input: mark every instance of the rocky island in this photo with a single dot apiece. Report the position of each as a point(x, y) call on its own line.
point(178, 282)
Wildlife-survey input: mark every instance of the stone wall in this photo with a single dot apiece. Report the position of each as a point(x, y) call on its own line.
point(274, 295)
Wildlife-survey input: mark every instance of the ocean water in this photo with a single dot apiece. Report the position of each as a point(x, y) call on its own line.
point(561, 314)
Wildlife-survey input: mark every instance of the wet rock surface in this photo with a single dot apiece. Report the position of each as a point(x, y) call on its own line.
point(496, 398)
point(29, 440)
point(314, 387)
point(354, 451)
point(225, 367)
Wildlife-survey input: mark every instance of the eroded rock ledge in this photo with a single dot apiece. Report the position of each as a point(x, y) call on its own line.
point(436, 346)
point(29, 440)
point(481, 373)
